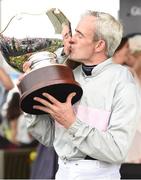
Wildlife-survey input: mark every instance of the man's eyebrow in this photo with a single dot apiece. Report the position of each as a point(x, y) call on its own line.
point(76, 30)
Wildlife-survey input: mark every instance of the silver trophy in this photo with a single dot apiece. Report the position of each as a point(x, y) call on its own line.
point(44, 51)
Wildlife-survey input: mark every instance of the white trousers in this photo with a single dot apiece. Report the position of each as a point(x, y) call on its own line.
point(87, 170)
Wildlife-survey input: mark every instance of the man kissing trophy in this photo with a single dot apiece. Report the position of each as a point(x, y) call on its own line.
point(48, 70)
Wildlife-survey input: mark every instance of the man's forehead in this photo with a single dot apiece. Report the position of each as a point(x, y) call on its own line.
point(87, 20)
point(86, 24)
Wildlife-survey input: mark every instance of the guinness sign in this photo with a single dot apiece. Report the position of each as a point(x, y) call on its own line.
point(130, 16)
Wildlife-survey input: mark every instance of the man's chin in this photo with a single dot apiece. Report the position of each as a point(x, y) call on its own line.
point(74, 58)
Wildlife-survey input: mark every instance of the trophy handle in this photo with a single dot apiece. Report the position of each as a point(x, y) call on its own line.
point(57, 19)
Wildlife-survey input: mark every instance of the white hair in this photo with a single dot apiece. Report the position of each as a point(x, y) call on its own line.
point(135, 44)
point(107, 28)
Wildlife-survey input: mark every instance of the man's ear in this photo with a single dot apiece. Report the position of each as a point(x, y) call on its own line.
point(100, 45)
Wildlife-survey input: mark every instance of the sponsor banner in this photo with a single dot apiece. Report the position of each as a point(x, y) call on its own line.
point(130, 16)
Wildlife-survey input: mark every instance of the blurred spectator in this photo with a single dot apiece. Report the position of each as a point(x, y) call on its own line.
point(18, 131)
point(122, 52)
point(6, 84)
point(5, 80)
point(129, 53)
point(46, 163)
point(134, 155)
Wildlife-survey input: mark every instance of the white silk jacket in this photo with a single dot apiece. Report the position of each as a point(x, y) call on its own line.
point(106, 114)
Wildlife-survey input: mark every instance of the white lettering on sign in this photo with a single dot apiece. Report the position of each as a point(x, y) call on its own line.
point(135, 11)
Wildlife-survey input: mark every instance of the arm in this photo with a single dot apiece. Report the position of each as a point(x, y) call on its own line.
point(6, 80)
point(111, 145)
point(41, 127)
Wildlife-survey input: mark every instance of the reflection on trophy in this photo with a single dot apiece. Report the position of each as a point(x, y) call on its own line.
point(48, 72)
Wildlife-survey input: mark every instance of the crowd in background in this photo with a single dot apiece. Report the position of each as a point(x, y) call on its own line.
point(13, 131)
point(129, 55)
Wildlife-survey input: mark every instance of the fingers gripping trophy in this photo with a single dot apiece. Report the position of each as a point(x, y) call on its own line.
point(41, 55)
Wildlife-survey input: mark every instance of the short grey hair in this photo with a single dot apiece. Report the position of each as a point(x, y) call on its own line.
point(135, 44)
point(108, 29)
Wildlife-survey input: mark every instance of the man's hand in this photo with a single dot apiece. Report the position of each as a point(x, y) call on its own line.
point(61, 112)
point(26, 67)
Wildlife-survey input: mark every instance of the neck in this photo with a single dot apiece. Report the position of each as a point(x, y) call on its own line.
point(87, 69)
point(95, 60)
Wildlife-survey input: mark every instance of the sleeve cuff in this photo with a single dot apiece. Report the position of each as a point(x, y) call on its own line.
point(30, 119)
point(75, 126)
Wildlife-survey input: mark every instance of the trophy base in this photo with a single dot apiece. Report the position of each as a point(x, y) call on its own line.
point(48, 79)
point(59, 91)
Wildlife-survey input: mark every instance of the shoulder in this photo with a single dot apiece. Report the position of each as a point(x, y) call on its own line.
point(121, 72)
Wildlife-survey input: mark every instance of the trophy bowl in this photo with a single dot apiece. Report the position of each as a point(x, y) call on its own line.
point(38, 40)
